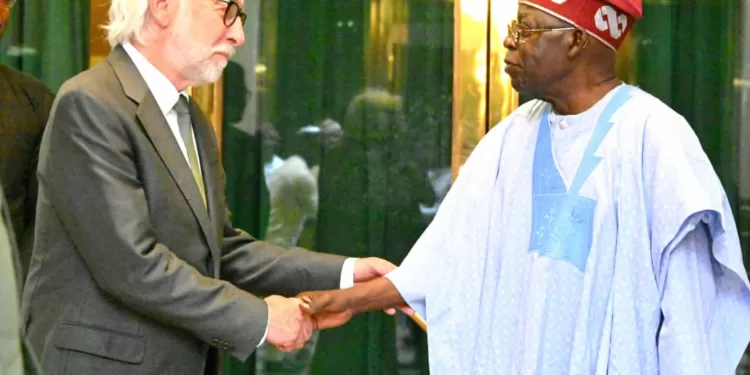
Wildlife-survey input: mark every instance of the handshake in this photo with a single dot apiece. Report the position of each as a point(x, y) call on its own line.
point(293, 320)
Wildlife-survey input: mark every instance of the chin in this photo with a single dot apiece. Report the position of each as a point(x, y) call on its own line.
point(209, 74)
point(518, 86)
point(522, 86)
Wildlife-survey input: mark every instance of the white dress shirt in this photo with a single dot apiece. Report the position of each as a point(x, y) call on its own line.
point(166, 96)
point(164, 92)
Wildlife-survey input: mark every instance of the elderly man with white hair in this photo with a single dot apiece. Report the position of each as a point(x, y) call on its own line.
point(136, 268)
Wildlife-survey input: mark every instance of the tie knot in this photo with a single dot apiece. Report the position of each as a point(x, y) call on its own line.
point(182, 108)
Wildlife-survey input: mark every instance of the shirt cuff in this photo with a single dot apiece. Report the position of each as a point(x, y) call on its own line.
point(347, 273)
point(268, 322)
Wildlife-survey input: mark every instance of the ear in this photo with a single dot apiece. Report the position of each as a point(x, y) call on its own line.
point(579, 39)
point(163, 12)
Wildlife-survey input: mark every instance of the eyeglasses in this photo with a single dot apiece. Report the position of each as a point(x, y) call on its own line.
point(233, 12)
point(520, 34)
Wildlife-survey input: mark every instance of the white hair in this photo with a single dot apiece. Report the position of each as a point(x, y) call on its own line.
point(127, 21)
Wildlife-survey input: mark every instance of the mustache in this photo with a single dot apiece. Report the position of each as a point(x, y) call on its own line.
point(225, 49)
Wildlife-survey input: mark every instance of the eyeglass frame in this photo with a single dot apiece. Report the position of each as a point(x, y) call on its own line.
point(240, 13)
point(516, 36)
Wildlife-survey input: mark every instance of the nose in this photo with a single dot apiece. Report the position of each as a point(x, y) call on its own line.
point(509, 43)
point(236, 34)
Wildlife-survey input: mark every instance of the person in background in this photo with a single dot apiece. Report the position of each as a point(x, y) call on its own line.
point(15, 355)
point(293, 184)
point(25, 104)
point(293, 191)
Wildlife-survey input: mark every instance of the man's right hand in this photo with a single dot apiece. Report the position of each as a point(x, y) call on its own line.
point(327, 308)
point(332, 308)
point(288, 327)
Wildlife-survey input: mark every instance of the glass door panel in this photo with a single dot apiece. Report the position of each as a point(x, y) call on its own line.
point(742, 87)
point(337, 133)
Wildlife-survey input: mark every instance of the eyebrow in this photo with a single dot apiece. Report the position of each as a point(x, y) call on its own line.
point(525, 19)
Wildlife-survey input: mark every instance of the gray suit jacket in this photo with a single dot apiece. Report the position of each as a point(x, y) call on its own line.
point(125, 272)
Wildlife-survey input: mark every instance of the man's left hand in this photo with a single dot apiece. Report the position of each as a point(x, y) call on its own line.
point(366, 269)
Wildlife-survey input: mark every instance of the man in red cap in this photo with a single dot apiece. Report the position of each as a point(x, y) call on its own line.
point(586, 234)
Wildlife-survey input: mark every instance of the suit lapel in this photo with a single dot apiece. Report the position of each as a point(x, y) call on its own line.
point(163, 140)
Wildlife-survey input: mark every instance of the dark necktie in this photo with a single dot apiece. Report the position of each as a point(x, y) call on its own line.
point(186, 131)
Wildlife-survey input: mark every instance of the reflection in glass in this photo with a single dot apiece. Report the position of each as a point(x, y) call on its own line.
point(337, 136)
point(293, 182)
point(209, 98)
point(484, 94)
point(742, 85)
point(470, 113)
point(503, 98)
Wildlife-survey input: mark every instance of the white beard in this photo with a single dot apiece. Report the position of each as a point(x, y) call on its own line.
point(200, 68)
point(197, 65)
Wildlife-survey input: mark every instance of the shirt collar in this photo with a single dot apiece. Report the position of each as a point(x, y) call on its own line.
point(162, 89)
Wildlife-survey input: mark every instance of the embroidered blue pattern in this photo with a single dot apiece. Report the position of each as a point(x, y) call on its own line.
point(562, 219)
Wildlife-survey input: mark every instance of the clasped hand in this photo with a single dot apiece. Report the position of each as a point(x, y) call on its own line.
point(292, 321)
point(288, 327)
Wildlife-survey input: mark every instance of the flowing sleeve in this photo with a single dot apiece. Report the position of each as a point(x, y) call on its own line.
point(688, 297)
point(416, 274)
point(410, 279)
point(696, 254)
point(428, 266)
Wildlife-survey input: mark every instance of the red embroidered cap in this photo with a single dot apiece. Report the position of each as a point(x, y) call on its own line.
point(607, 20)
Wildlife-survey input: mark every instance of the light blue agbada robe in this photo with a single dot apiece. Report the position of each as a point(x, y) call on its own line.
point(565, 240)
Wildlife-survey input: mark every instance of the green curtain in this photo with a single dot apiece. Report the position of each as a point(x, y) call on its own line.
point(685, 53)
point(706, 41)
point(48, 39)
